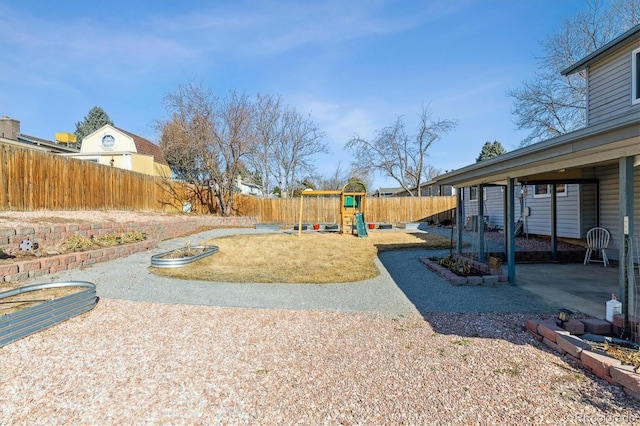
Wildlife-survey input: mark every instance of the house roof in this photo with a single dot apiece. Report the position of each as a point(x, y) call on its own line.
point(615, 44)
point(146, 147)
point(388, 190)
point(49, 145)
point(597, 144)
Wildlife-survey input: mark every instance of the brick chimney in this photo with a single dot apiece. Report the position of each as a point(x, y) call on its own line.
point(9, 128)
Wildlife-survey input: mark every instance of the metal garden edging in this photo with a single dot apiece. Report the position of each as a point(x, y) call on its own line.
point(162, 261)
point(24, 322)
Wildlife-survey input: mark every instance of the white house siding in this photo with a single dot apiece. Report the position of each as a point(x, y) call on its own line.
point(609, 90)
point(610, 206)
point(567, 210)
point(588, 207)
point(122, 143)
point(493, 203)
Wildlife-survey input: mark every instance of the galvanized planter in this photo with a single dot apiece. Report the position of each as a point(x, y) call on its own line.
point(24, 322)
point(163, 260)
point(270, 226)
point(409, 225)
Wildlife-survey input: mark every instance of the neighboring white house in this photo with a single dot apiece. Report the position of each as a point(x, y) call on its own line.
point(429, 189)
point(385, 192)
point(245, 186)
point(112, 146)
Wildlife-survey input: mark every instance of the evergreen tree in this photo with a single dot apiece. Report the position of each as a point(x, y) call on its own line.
point(490, 150)
point(95, 119)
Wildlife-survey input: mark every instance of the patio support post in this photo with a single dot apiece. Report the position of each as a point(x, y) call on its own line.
point(504, 220)
point(554, 224)
point(510, 230)
point(481, 247)
point(626, 290)
point(459, 213)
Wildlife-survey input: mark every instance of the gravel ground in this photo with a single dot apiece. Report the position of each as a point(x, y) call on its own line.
point(495, 241)
point(404, 348)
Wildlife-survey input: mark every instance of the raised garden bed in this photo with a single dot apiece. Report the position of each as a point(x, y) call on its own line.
point(29, 249)
point(269, 226)
point(459, 270)
point(410, 225)
point(39, 310)
point(182, 256)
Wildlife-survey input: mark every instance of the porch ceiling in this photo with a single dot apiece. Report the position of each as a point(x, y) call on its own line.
point(599, 144)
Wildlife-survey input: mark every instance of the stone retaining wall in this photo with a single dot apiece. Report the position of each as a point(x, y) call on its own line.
point(155, 231)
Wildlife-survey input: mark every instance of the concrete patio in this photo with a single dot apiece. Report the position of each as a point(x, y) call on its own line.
point(577, 287)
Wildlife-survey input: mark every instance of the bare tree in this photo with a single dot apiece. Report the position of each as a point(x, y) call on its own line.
point(268, 127)
point(206, 139)
point(299, 140)
point(185, 137)
point(340, 176)
point(431, 172)
point(234, 138)
point(397, 155)
point(549, 104)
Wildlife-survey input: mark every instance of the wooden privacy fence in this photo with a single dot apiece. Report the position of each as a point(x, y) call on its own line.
point(326, 209)
point(36, 180)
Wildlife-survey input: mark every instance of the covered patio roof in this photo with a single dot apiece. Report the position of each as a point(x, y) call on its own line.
point(553, 159)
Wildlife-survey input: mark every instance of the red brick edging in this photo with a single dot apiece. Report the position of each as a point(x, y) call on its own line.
point(564, 341)
point(50, 235)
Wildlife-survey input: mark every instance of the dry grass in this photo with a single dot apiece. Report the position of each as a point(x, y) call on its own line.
point(310, 258)
point(26, 300)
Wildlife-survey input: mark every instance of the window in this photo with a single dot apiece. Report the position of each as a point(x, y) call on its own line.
point(635, 76)
point(542, 191)
point(473, 193)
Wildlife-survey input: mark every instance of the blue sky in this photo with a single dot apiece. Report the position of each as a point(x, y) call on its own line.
point(354, 66)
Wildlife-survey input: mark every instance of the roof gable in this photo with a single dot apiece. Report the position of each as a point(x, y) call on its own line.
point(146, 147)
point(615, 44)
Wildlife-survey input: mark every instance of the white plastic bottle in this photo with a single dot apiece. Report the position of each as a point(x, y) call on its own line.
point(614, 307)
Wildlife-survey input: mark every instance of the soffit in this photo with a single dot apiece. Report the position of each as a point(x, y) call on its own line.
point(583, 148)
